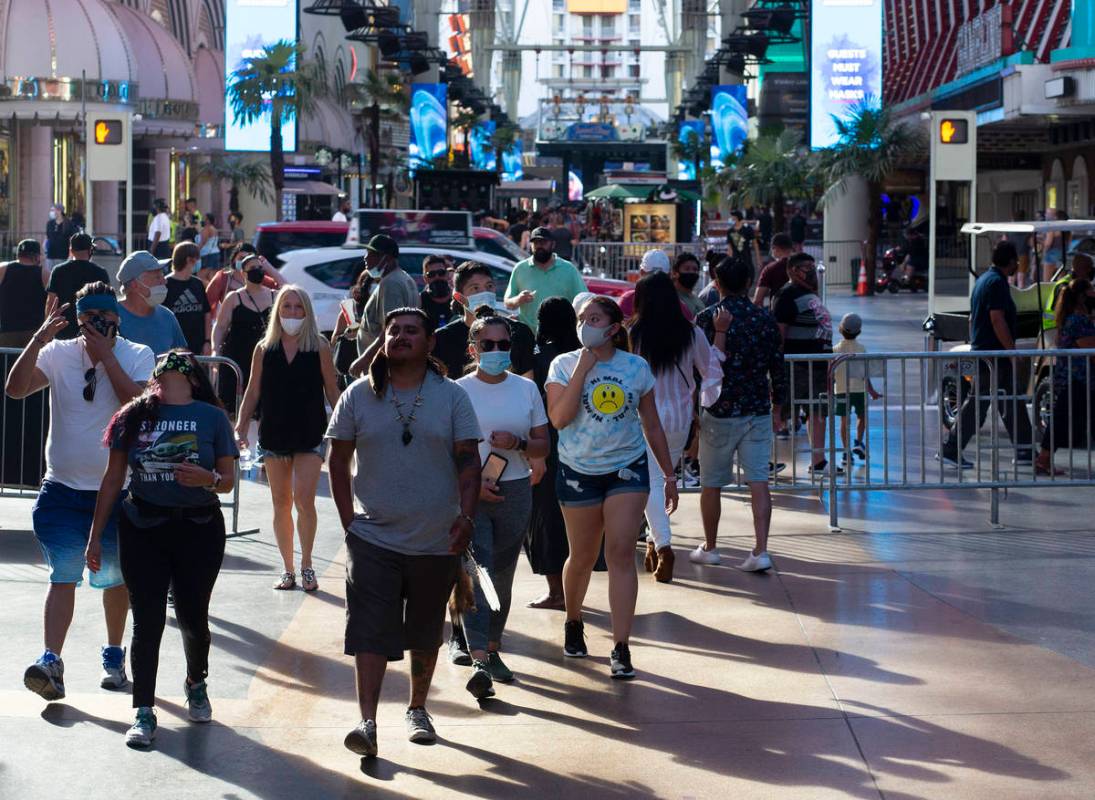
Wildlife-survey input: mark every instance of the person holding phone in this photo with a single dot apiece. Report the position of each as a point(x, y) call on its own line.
point(514, 424)
point(601, 400)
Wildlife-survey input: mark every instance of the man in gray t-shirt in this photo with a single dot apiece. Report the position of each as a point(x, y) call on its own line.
point(415, 436)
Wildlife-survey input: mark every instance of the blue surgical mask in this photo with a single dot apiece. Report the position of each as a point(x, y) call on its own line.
point(495, 362)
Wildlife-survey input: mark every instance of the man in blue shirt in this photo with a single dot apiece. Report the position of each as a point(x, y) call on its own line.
point(142, 318)
point(993, 326)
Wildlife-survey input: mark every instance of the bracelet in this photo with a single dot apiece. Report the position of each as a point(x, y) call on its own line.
point(469, 519)
point(522, 445)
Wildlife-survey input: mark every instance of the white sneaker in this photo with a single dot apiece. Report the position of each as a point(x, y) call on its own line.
point(701, 556)
point(143, 730)
point(198, 707)
point(46, 677)
point(114, 677)
point(754, 563)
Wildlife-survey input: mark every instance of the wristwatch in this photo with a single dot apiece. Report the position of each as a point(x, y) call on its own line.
point(522, 445)
point(216, 481)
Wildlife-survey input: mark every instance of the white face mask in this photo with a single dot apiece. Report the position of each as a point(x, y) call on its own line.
point(590, 336)
point(52, 214)
point(156, 294)
point(291, 325)
point(481, 299)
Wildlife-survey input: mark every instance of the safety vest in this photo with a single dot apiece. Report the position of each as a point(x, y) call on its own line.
point(1049, 310)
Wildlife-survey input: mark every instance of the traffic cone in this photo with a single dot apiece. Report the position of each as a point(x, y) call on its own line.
point(861, 288)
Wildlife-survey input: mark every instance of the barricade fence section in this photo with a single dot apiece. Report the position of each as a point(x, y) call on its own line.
point(941, 421)
point(24, 426)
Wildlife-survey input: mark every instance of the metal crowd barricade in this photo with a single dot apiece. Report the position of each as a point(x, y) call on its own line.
point(906, 430)
point(618, 259)
point(25, 423)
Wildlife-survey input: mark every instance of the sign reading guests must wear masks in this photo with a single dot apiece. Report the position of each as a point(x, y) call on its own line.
point(846, 62)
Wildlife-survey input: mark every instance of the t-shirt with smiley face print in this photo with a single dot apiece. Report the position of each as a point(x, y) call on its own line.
point(606, 435)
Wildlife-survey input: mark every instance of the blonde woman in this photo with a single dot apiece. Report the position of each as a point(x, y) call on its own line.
point(292, 373)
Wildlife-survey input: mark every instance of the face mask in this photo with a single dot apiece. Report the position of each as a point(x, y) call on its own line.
point(254, 275)
point(810, 279)
point(156, 294)
point(376, 273)
point(495, 362)
point(542, 256)
point(590, 336)
point(688, 279)
point(480, 299)
point(53, 215)
point(291, 325)
point(104, 326)
point(439, 289)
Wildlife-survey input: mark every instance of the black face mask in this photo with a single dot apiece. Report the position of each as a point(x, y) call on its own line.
point(255, 274)
point(542, 256)
point(104, 326)
point(688, 279)
point(810, 279)
point(439, 289)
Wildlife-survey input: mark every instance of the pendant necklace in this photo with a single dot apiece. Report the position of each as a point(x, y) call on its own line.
point(406, 420)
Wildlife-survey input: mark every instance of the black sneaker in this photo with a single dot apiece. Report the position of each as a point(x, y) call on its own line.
point(620, 662)
point(574, 645)
point(859, 450)
point(458, 648)
point(480, 684)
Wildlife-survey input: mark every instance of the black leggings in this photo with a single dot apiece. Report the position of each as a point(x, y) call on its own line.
point(187, 556)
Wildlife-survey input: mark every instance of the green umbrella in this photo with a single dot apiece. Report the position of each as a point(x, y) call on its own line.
point(616, 191)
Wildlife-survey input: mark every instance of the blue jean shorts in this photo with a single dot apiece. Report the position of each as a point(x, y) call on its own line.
point(62, 524)
point(320, 450)
point(575, 488)
point(722, 437)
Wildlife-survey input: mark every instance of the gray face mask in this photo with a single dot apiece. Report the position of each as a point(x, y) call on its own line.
point(592, 337)
point(156, 294)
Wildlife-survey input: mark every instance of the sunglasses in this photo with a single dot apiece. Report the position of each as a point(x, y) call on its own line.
point(90, 380)
point(437, 273)
point(489, 345)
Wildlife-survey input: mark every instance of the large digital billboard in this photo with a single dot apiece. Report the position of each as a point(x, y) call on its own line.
point(429, 123)
point(690, 135)
point(845, 61)
point(729, 122)
point(249, 26)
point(484, 157)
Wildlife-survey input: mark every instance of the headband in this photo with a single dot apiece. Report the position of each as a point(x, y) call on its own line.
point(175, 362)
point(97, 302)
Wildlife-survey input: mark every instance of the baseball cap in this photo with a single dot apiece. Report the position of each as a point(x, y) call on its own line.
point(654, 261)
point(851, 324)
point(28, 247)
point(540, 233)
point(137, 264)
point(383, 244)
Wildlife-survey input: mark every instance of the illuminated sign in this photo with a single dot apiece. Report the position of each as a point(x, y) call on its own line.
point(845, 62)
point(251, 25)
point(429, 124)
point(107, 131)
point(954, 131)
point(729, 122)
point(690, 135)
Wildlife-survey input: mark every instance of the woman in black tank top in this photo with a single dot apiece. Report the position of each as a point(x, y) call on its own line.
point(22, 302)
point(292, 373)
point(241, 322)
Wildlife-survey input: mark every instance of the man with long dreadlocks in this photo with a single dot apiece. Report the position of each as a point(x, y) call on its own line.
point(417, 485)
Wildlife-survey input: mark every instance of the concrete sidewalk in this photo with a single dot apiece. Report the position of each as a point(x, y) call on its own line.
point(917, 654)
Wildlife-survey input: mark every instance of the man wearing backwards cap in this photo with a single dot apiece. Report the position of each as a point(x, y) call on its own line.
point(141, 316)
point(89, 378)
point(22, 291)
point(652, 261)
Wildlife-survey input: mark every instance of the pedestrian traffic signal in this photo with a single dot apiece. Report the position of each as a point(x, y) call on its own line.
point(108, 131)
point(954, 131)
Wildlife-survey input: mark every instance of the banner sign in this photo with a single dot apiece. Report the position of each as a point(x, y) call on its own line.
point(729, 122)
point(846, 62)
point(429, 123)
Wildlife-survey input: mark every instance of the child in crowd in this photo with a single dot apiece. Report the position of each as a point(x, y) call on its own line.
point(851, 385)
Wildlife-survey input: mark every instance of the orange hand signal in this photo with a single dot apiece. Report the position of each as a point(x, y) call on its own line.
point(947, 131)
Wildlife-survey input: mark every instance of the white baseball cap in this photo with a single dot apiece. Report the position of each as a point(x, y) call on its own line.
point(654, 261)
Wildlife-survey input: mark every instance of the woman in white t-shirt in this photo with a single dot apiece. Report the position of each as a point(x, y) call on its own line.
point(514, 425)
point(601, 400)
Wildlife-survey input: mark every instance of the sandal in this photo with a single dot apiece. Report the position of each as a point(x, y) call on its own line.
point(288, 581)
point(308, 580)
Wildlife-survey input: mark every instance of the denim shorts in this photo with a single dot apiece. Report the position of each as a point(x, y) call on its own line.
point(62, 524)
point(320, 450)
point(575, 488)
point(720, 437)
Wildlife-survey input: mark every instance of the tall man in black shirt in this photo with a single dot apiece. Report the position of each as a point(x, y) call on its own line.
point(994, 323)
point(70, 277)
point(437, 296)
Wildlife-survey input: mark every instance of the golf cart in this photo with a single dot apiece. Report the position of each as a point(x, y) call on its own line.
point(948, 322)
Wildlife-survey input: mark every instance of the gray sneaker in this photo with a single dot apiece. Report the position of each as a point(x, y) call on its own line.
point(197, 702)
point(46, 677)
point(114, 676)
point(480, 684)
point(420, 726)
point(362, 739)
point(143, 730)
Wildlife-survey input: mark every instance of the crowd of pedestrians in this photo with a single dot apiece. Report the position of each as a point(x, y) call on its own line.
point(537, 416)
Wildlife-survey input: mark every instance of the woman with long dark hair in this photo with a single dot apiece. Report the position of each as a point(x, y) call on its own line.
point(176, 442)
point(546, 544)
point(675, 350)
point(601, 400)
point(1072, 385)
point(241, 323)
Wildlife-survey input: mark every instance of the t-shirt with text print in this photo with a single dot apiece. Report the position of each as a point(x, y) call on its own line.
point(606, 434)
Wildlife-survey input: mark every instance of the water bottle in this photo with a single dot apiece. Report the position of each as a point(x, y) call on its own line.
point(245, 459)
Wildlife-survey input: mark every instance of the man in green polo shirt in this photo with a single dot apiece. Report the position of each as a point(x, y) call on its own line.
point(543, 275)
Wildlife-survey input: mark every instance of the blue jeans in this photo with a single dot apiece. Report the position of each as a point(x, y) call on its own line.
point(62, 525)
point(499, 534)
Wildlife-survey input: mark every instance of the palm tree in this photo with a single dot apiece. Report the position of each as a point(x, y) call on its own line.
point(694, 149)
point(871, 144)
point(774, 168)
point(374, 97)
point(464, 120)
point(502, 140)
point(239, 172)
point(277, 85)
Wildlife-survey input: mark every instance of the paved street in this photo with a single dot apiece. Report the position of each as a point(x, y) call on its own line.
point(917, 654)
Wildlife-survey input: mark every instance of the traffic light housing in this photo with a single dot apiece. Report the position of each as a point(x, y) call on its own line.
point(107, 131)
point(953, 131)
